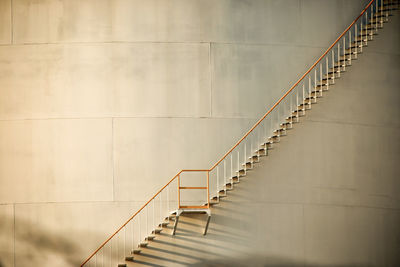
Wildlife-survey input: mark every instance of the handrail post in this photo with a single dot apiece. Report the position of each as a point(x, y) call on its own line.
point(366, 28)
point(217, 170)
point(168, 199)
point(379, 13)
point(349, 47)
point(327, 75)
point(208, 189)
point(356, 41)
point(320, 77)
point(344, 51)
point(224, 175)
point(179, 193)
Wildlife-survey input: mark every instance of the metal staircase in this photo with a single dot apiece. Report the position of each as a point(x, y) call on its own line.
point(210, 185)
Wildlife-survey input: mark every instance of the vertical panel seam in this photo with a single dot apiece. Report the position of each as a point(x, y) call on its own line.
point(112, 157)
point(304, 237)
point(210, 73)
point(11, 22)
point(14, 235)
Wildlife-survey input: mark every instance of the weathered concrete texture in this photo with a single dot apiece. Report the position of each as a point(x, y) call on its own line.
point(62, 234)
point(327, 194)
point(172, 143)
point(5, 21)
point(55, 160)
point(278, 234)
point(100, 80)
point(7, 235)
point(249, 79)
point(47, 21)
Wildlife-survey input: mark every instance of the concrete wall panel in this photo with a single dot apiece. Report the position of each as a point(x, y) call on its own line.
point(47, 21)
point(55, 160)
point(63, 234)
point(171, 144)
point(248, 80)
point(98, 80)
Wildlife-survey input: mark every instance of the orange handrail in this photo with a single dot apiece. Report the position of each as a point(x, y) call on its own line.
point(230, 150)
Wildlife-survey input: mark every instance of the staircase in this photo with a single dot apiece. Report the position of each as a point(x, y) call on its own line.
point(160, 216)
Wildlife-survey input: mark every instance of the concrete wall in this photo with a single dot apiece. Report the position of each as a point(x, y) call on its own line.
point(101, 102)
point(326, 195)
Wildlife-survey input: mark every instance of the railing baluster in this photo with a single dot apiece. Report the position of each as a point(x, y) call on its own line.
point(154, 223)
point(366, 28)
point(315, 82)
point(371, 31)
point(378, 13)
point(168, 200)
point(124, 254)
point(133, 234)
point(161, 219)
point(238, 162)
point(350, 49)
point(179, 194)
point(147, 221)
point(224, 176)
point(231, 169)
point(320, 77)
point(245, 155)
point(217, 182)
point(327, 75)
point(140, 228)
point(356, 41)
point(344, 51)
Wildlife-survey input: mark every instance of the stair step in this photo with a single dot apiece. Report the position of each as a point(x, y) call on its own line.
point(163, 224)
point(262, 152)
point(235, 179)
point(171, 217)
point(150, 238)
point(228, 186)
point(136, 251)
point(269, 144)
point(274, 138)
point(288, 125)
point(248, 165)
point(157, 231)
point(305, 106)
point(143, 244)
point(221, 195)
point(242, 172)
point(359, 44)
point(254, 159)
point(293, 118)
point(212, 203)
point(129, 258)
point(316, 93)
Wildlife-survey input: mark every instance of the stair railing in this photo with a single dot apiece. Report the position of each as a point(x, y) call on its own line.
point(274, 124)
